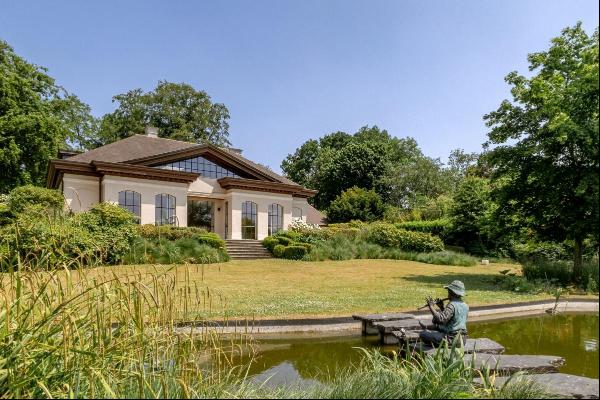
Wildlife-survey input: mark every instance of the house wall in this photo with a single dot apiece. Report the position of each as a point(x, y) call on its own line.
point(81, 192)
point(262, 200)
point(302, 204)
point(112, 185)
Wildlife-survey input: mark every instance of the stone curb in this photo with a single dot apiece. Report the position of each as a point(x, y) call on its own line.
point(337, 324)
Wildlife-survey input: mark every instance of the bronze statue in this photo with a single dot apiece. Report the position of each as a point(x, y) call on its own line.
point(451, 320)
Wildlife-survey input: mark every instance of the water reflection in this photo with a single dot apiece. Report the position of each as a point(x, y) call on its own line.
point(307, 359)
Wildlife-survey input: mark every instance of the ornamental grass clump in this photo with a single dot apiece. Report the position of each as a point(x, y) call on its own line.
point(66, 334)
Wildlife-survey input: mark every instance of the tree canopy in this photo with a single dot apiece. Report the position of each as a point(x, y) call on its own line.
point(547, 141)
point(178, 110)
point(37, 118)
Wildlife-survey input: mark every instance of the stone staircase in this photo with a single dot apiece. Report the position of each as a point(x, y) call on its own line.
point(246, 249)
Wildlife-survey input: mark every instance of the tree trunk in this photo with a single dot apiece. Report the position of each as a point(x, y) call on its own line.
point(578, 261)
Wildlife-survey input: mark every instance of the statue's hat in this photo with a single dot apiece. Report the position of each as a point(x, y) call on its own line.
point(456, 287)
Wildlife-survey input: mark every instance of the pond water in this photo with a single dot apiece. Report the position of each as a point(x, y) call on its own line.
point(306, 358)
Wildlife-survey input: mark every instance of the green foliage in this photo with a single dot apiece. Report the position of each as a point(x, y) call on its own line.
point(471, 214)
point(180, 251)
point(561, 272)
point(24, 196)
point(546, 142)
point(111, 227)
point(534, 250)
point(178, 110)
point(356, 204)
point(294, 252)
point(388, 235)
point(270, 242)
point(279, 251)
point(36, 117)
point(438, 227)
point(340, 161)
point(169, 232)
point(50, 240)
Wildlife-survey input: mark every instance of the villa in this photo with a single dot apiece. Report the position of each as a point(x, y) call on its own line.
point(163, 181)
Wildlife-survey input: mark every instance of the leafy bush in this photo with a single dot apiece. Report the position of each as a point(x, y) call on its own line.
point(561, 272)
point(163, 251)
point(356, 204)
point(169, 232)
point(24, 196)
point(437, 227)
point(294, 252)
point(532, 250)
point(270, 242)
point(210, 239)
point(111, 227)
point(286, 241)
point(279, 250)
point(388, 235)
point(48, 241)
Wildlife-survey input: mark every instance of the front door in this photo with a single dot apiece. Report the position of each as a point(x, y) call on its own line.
point(201, 213)
point(226, 220)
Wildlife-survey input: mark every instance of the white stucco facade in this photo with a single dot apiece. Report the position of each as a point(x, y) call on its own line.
point(82, 192)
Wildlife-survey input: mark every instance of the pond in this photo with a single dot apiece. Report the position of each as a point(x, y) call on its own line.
point(306, 358)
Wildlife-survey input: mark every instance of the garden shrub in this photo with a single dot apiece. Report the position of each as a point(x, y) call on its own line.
point(279, 250)
point(388, 235)
point(286, 241)
point(210, 239)
point(561, 272)
point(294, 252)
point(112, 227)
point(163, 251)
point(270, 242)
point(170, 232)
point(541, 251)
point(24, 196)
point(356, 204)
point(437, 227)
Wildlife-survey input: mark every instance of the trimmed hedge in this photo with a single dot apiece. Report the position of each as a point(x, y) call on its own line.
point(388, 235)
point(270, 242)
point(279, 251)
point(437, 227)
point(294, 252)
point(169, 232)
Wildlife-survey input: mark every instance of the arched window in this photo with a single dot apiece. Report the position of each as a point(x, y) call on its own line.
point(275, 218)
point(248, 220)
point(164, 209)
point(132, 201)
point(296, 213)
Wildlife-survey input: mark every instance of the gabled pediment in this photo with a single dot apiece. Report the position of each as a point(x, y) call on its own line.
point(225, 159)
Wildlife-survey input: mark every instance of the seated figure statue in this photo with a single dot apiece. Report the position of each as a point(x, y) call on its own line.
point(449, 321)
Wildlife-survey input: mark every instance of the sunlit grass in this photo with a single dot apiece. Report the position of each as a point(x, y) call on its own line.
point(276, 288)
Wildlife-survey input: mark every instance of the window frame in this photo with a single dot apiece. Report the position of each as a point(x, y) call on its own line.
point(252, 213)
point(131, 207)
point(275, 218)
point(170, 207)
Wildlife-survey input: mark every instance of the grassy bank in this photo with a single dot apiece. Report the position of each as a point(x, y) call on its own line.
point(276, 288)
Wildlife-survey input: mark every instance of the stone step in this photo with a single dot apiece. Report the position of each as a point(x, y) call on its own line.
point(563, 385)
point(512, 363)
point(369, 319)
point(480, 345)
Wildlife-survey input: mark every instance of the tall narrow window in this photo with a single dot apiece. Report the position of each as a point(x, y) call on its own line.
point(275, 218)
point(296, 213)
point(132, 201)
point(248, 220)
point(164, 206)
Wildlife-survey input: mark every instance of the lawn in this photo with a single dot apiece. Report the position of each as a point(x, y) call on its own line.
point(277, 288)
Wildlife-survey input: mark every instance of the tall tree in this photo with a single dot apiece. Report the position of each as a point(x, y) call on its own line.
point(547, 137)
point(177, 109)
point(37, 117)
point(339, 161)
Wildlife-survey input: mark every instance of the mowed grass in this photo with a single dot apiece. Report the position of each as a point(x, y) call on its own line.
point(276, 288)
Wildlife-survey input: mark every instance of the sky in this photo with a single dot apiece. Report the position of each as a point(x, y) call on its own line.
point(289, 71)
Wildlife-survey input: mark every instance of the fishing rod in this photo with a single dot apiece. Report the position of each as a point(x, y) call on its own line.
point(427, 305)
